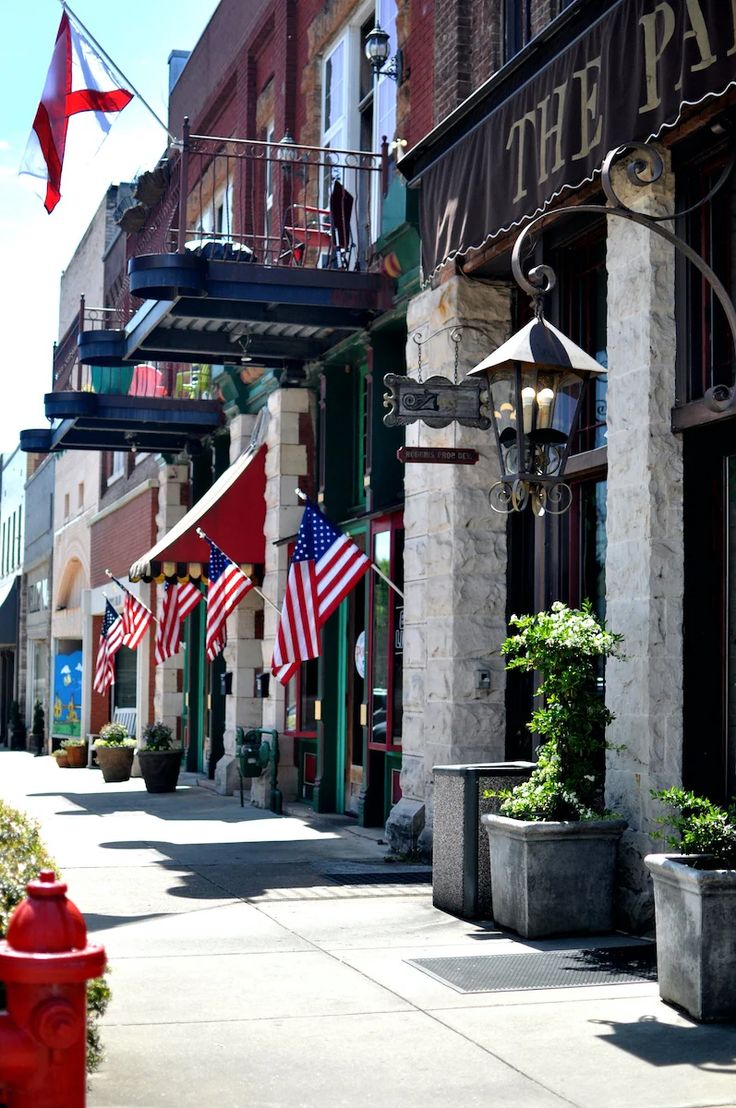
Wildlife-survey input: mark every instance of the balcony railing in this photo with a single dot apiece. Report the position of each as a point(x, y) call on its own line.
point(159, 379)
point(277, 204)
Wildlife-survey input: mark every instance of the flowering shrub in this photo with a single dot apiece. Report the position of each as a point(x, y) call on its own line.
point(114, 734)
point(700, 826)
point(565, 646)
point(159, 736)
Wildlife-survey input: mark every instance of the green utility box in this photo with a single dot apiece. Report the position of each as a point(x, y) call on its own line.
point(254, 754)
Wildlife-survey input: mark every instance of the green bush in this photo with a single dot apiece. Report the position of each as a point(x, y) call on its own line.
point(565, 646)
point(159, 736)
point(113, 734)
point(700, 826)
point(67, 743)
point(22, 857)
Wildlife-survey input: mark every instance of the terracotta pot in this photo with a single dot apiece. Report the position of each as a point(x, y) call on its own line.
point(61, 760)
point(115, 762)
point(76, 756)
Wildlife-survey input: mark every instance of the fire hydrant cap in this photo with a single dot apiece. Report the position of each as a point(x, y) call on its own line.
point(46, 922)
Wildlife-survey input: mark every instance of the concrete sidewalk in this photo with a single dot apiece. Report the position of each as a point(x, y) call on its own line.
point(259, 960)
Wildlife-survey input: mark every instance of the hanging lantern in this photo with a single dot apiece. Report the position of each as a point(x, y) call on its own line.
point(535, 382)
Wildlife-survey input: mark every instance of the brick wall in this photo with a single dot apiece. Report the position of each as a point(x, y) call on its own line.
point(122, 536)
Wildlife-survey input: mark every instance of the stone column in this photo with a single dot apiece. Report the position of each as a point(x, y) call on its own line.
point(172, 506)
point(289, 435)
point(454, 568)
point(243, 650)
point(644, 562)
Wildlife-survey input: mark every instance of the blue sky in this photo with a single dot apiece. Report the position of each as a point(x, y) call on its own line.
point(139, 36)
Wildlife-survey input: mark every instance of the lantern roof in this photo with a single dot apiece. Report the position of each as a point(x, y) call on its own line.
point(541, 346)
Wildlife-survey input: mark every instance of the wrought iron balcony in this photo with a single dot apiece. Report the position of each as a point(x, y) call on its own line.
point(253, 250)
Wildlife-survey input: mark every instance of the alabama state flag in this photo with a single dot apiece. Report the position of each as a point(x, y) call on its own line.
point(80, 98)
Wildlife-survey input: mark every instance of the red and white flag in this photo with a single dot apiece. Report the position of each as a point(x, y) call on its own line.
point(324, 567)
point(111, 639)
point(227, 587)
point(178, 601)
point(79, 101)
point(136, 619)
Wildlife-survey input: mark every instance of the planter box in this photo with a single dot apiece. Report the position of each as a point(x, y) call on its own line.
point(553, 878)
point(461, 872)
point(160, 769)
point(115, 762)
point(696, 935)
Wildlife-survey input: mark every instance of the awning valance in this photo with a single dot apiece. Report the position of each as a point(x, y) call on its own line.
point(544, 123)
point(232, 513)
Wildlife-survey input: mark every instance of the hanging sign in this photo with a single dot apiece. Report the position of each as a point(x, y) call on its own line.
point(436, 402)
point(434, 455)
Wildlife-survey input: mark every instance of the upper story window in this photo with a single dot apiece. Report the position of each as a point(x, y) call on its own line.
point(357, 111)
point(522, 19)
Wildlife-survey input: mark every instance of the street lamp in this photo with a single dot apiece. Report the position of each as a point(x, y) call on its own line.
point(377, 51)
point(535, 383)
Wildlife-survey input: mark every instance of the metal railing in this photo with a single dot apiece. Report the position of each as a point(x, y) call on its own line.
point(278, 204)
point(170, 380)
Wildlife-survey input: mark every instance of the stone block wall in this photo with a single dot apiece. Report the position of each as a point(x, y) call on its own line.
point(645, 561)
point(172, 506)
point(454, 567)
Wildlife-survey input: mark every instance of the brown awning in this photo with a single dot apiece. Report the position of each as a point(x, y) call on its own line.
point(232, 513)
point(544, 123)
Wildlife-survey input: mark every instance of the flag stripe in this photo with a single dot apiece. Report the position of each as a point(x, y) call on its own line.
point(325, 566)
point(227, 587)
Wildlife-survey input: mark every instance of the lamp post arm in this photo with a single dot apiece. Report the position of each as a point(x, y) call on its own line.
point(540, 279)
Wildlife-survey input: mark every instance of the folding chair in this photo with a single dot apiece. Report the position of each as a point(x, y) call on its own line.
point(341, 213)
point(305, 228)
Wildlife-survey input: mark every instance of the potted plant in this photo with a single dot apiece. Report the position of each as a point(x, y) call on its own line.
point(76, 752)
point(115, 750)
point(695, 906)
point(17, 727)
point(159, 758)
point(60, 758)
point(38, 727)
point(553, 847)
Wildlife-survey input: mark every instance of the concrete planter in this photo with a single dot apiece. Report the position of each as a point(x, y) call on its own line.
point(553, 878)
point(115, 762)
point(696, 935)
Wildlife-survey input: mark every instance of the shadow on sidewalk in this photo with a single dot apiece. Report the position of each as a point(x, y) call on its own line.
point(704, 1046)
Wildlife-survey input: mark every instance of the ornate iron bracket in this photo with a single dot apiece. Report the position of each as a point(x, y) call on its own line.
point(644, 168)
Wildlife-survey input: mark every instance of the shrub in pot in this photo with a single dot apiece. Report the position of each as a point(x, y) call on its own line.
point(17, 727)
point(160, 758)
point(695, 906)
point(76, 752)
point(553, 847)
point(115, 750)
point(38, 727)
point(60, 757)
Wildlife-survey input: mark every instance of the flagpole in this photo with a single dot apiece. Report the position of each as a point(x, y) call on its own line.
point(117, 69)
point(262, 595)
point(303, 496)
point(136, 598)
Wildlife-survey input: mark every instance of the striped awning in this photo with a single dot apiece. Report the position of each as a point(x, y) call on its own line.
point(232, 512)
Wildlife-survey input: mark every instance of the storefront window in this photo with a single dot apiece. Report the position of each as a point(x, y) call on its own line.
point(387, 640)
point(125, 678)
point(301, 696)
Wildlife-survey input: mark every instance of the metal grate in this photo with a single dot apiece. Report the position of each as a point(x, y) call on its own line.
point(557, 969)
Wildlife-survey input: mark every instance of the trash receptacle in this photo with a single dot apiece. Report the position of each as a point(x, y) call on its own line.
point(461, 871)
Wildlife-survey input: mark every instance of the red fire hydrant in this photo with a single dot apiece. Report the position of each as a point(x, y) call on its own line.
point(45, 963)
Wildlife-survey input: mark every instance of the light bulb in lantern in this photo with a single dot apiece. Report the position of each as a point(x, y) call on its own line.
point(545, 400)
point(528, 396)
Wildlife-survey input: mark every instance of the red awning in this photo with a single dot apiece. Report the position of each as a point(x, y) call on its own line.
point(232, 513)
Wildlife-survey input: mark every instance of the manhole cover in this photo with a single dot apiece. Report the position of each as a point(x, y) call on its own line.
point(557, 969)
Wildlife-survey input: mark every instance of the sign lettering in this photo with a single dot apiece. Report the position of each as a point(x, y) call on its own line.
point(622, 81)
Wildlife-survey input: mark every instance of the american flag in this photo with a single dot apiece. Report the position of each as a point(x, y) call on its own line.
point(111, 639)
point(228, 585)
point(136, 618)
point(178, 601)
point(324, 567)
